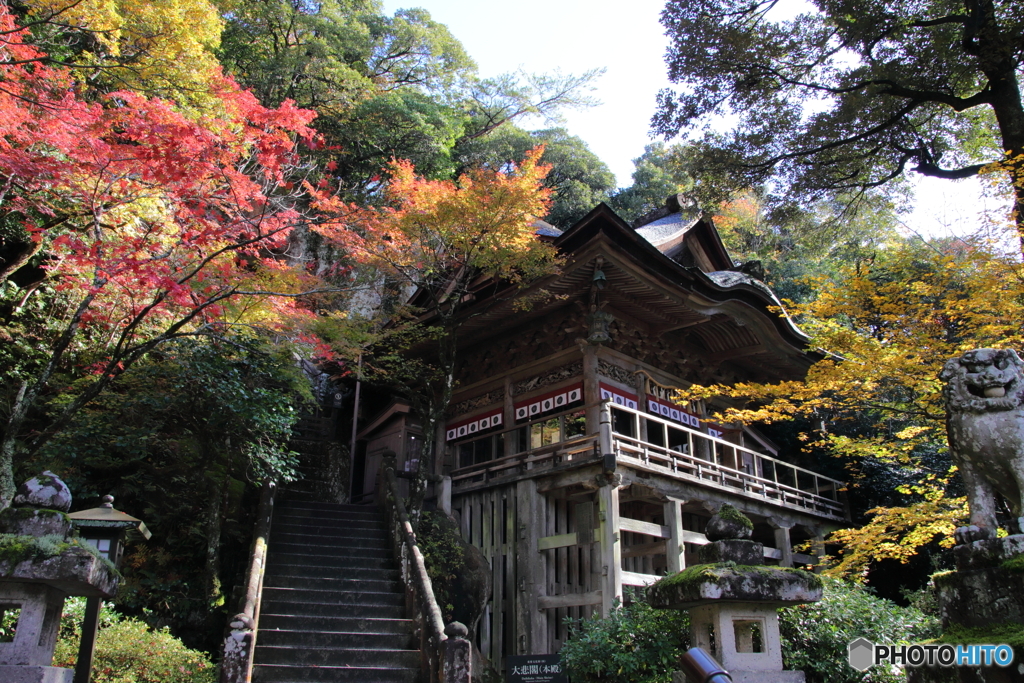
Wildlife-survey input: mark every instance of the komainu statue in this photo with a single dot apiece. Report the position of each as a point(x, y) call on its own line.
point(985, 424)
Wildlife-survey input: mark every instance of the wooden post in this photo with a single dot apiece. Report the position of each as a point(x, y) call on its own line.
point(530, 621)
point(675, 548)
point(509, 419)
point(87, 646)
point(591, 388)
point(611, 546)
point(641, 404)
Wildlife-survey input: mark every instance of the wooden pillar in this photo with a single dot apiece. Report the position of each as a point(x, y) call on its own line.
point(783, 542)
point(530, 621)
point(591, 388)
point(509, 418)
point(675, 547)
point(611, 546)
point(641, 403)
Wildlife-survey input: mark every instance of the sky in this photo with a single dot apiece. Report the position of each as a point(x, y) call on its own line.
point(626, 39)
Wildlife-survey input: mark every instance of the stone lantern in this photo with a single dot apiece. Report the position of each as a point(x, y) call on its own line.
point(106, 530)
point(40, 565)
point(733, 600)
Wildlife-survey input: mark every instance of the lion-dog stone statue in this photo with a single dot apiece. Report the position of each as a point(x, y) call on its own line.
point(985, 424)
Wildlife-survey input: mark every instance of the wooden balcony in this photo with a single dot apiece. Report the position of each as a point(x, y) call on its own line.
point(670, 449)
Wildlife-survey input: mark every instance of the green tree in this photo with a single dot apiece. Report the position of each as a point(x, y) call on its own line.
point(178, 439)
point(384, 88)
point(659, 172)
point(578, 179)
point(849, 95)
point(815, 636)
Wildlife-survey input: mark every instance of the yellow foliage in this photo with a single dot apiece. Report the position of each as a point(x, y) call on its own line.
point(896, 534)
point(156, 47)
point(885, 329)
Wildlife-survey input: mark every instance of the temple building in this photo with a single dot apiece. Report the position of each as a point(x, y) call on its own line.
point(570, 465)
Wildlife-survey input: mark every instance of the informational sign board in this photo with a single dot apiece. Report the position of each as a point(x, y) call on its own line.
point(535, 669)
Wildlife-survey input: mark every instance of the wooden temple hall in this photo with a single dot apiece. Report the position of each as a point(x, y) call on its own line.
point(571, 468)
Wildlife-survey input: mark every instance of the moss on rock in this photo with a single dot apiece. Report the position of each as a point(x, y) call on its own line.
point(731, 514)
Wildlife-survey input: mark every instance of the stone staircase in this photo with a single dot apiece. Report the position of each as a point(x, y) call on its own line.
point(333, 604)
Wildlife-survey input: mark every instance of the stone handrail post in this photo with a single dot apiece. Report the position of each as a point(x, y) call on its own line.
point(240, 643)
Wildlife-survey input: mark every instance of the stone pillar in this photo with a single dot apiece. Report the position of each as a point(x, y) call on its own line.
point(611, 546)
point(457, 665)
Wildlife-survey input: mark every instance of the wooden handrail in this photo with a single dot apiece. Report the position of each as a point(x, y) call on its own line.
point(240, 643)
point(447, 656)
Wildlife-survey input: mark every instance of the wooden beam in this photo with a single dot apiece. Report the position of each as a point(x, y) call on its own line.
point(695, 538)
point(638, 579)
point(642, 549)
point(648, 528)
point(568, 600)
point(560, 541)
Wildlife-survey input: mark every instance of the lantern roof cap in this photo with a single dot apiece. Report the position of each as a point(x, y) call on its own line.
point(106, 517)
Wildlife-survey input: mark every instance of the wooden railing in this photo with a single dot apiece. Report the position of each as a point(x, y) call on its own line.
point(446, 652)
point(240, 643)
point(684, 453)
point(716, 462)
point(543, 458)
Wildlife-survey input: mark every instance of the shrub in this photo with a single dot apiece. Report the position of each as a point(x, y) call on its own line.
point(815, 636)
point(128, 651)
point(636, 643)
point(443, 554)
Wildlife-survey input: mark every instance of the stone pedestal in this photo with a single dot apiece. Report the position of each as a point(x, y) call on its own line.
point(985, 591)
point(35, 674)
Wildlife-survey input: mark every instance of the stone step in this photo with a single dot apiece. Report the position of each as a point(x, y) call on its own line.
point(335, 639)
point(283, 547)
point(338, 522)
point(324, 656)
point(307, 508)
point(333, 541)
point(289, 528)
point(297, 622)
point(333, 610)
point(339, 584)
point(354, 560)
point(318, 571)
point(275, 595)
point(284, 673)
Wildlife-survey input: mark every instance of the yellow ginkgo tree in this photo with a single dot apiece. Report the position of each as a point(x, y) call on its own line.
point(885, 327)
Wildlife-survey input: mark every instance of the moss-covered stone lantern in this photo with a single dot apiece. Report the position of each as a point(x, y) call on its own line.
point(40, 565)
point(733, 601)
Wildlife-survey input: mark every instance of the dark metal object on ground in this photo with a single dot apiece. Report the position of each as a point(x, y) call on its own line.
point(700, 667)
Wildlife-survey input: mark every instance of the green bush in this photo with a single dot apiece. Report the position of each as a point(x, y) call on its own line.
point(128, 651)
point(443, 554)
point(636, 643)
point(815, 636)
